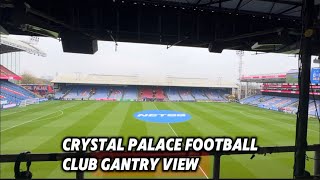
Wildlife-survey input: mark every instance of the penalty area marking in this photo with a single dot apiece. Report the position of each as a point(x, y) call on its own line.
point(247, 114)
point(26, 109)
point(15, 112)
point(36, 119)
point(178, 136)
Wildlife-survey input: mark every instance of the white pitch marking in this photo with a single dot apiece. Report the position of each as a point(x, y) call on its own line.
point(178, 136)
point(246, 114)
point(33, 120)
point(16, 112)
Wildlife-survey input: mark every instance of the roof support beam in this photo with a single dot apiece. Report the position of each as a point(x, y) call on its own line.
point(304, 89)
point(212, 2)
point(245, 4)
point(238, 5)
point(284, 2)
point(290, 9)
point(274, 2)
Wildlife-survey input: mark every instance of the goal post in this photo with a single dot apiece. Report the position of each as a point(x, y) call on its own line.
point(27, 102)
point(23, 103)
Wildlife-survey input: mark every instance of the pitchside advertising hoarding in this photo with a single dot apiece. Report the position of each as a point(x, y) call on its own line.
point(9, 106)
point(3, 102)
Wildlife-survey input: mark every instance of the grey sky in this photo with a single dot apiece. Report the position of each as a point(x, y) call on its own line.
point(152, 60)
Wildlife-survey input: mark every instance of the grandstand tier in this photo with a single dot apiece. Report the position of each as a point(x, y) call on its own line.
point(13, 94)
point(280, 92)
point(138, 93)
point(279, 103)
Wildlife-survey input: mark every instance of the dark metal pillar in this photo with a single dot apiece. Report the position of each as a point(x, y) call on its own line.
point(317, 163)
point(216, 167)
point(304, 84)
point(80, 174)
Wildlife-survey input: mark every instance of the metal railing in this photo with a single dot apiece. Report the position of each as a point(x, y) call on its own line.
point(7, 158)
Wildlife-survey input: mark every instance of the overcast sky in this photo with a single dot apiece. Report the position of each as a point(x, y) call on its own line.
point(152, 60)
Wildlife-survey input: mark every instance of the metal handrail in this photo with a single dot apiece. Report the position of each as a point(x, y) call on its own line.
point(6, 158)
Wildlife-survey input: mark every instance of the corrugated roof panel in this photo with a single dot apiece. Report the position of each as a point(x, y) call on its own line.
point(297, 1)
point(255, 6)
point(230, 4)
point(279, 7)
point(294, 12)
point(258, 6)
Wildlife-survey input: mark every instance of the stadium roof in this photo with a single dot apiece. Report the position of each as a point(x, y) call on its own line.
point(290, 8)
point(137, 80)
point(265, 78)
point(8, 45)
point(252, 25)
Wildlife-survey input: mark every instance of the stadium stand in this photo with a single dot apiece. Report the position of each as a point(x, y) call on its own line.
point(159, 94)
point(134, 93)
point(267, 104)
point(250, 99)
point(116, 93)
point(39, 89)
point(172, 93)
point(215, 95)
point(59, 94)
point(99, 92)
point(130, 93)
point(14, 93)
point(186, 95)
point(79, 92)
point(278, 103)
point(284, 102)
point(280, 92)
point(199, 94)
point(146, 93)
point(260, 100)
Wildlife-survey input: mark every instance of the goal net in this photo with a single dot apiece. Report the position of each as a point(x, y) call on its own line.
point(27, 102)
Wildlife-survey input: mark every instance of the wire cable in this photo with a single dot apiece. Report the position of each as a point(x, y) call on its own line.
point(316, 107)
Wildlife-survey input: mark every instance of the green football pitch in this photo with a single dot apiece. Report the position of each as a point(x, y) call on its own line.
point(40, 128)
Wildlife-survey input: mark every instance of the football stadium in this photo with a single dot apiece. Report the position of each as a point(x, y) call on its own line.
point(63, 127)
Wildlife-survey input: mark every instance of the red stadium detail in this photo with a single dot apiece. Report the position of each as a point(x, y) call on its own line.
point(159, 93)
point(287, 91)
point(265, 86)
point(274, 76)
point(40, 89)
point(265, 78)
point(50, 89)
point(7, 74)
point(147, 92)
